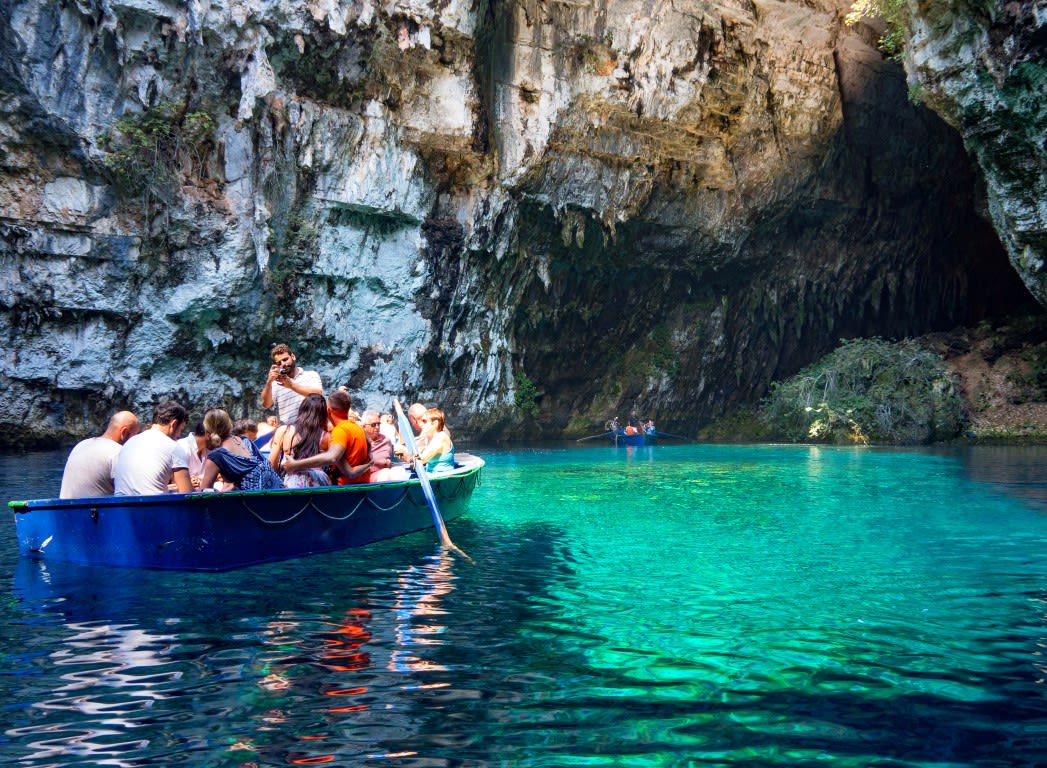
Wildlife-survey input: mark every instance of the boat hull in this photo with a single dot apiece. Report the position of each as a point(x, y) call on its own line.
point(222, 531)
point(621, 438)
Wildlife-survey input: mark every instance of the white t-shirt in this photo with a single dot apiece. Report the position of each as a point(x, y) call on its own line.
point(287, 400)
point(195, 458)
point(89, 469)
point(147, 463)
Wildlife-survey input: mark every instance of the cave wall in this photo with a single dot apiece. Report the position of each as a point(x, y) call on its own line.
point(628, 204)
point(982, 66)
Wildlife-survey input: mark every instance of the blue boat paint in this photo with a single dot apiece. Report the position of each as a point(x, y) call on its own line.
point(639, 438)
point(205, 531)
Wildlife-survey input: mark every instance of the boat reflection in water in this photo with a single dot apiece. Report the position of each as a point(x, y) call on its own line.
point(116, 675)
point(288, 678)
point(418, 612)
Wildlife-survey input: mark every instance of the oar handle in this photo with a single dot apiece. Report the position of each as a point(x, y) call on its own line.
point(407, 435)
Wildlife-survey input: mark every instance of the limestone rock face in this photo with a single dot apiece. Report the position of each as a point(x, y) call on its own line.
point(647, 205)
point(983, 68)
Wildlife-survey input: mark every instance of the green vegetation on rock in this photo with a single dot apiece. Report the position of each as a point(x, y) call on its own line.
point(145, 151)
point(868, 390)
point(893, 13)
point(526, 396)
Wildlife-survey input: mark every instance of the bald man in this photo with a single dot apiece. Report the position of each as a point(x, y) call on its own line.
point(414, 414)
point(89, 468)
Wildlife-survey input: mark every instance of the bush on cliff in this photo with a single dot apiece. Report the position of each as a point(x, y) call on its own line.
point(145, 152)
point(868, 390)
point(894, 14)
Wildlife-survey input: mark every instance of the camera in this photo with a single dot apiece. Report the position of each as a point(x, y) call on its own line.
point(286, 371)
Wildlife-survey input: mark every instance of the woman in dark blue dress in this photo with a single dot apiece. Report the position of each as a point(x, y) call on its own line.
point(237, 459)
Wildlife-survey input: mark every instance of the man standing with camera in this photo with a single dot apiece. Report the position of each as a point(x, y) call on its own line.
point(287, 384)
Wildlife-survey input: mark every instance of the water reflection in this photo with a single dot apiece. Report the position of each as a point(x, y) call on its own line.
point(418, 610)
point(109, 678)
point(1019, 470)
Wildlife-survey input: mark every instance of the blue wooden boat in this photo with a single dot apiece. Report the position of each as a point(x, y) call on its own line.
point(208, 531)
point(640, 438)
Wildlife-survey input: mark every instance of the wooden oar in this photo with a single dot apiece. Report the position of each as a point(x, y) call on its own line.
point(593, 437)
point(407, 435)
point(658, 433)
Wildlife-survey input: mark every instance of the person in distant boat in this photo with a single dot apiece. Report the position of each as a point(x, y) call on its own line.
point(348, 450)
point(89, 468)
point(237, 459)
point(153, 461)
point(414, 414)
point(438, 454)
point(648, 427)
point(287, 384)
point(196, 446)
point(304, 439)
point(381, 450)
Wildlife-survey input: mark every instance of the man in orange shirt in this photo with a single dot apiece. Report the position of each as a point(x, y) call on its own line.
point(348, 450)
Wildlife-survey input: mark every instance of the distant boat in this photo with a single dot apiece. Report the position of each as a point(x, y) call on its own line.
point(207, 531)
point(621, 437)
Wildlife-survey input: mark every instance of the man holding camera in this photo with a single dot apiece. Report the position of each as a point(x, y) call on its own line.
point(288, 384)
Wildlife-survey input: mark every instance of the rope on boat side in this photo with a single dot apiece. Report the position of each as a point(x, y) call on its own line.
point(276, 522)
point(363, 498)
point(389, 508)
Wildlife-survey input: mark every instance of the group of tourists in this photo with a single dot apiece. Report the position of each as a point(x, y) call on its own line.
point(635, 426)
point(315, 440)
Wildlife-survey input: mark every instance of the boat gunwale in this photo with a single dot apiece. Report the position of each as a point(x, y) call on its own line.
point(470, 465)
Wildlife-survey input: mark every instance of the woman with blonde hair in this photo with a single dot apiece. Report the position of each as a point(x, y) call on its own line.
point(237, 459)
point(438, 454)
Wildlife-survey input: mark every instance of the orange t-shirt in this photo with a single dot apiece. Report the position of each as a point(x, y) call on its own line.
point(351, 436)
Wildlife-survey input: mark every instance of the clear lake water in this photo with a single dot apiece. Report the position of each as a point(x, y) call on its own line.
point(656, 606)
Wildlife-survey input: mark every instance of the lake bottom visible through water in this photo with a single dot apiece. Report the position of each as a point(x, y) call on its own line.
point(650, 606)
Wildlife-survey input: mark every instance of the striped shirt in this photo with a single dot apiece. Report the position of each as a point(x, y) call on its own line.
point(287, 400)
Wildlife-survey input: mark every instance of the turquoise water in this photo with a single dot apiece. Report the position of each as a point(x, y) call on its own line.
point(663, 606)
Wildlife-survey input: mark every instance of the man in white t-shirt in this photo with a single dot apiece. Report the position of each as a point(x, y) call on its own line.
point(287, 384)
point(151, 461)
point(89, 468)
